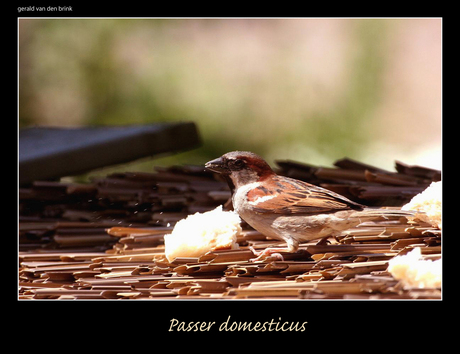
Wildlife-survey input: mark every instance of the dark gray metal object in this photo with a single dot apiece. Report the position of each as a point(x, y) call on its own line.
point(50, 153)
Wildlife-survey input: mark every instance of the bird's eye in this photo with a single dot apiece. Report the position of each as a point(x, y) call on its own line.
point(238, 163)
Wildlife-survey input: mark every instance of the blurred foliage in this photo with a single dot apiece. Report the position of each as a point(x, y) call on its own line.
point(299, 89)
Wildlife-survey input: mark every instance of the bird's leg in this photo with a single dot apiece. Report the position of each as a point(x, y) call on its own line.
point(323, 241)
point(273, 252)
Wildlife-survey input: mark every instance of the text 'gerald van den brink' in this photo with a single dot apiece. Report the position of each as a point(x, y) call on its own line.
point(44, 8)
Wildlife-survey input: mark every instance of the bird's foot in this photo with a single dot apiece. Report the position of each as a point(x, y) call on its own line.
point(268, 254)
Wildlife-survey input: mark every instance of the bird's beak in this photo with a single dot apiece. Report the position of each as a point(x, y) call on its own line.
point(216, 165)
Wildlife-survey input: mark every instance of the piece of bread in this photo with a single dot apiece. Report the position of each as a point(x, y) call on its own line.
point(414, 271)
point(200, 233)
point(429, 202)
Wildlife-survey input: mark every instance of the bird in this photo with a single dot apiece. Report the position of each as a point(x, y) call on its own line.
point(285, 208)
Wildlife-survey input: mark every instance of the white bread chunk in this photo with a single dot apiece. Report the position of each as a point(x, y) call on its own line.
point(203, 232)
point(414, 271)
point(430, 203)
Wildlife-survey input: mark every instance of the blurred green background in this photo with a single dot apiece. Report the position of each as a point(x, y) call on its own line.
point(311, 90)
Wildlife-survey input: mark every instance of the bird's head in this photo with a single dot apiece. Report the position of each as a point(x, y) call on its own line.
point(243, 167)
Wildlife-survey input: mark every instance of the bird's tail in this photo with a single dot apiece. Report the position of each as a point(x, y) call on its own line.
point(370, 213)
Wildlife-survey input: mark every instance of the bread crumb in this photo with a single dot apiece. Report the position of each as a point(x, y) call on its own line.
point(429, 202)
point(200, 233)
point(414, 271)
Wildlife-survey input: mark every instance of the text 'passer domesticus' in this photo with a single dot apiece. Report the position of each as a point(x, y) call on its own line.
point(285, 208)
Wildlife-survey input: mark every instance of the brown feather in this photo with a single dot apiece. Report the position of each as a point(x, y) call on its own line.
point(304, 199)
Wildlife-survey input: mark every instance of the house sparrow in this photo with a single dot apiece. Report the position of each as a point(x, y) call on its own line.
point(285, 208)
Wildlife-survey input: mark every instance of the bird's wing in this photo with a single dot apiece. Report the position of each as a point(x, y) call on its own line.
point(289, 196)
